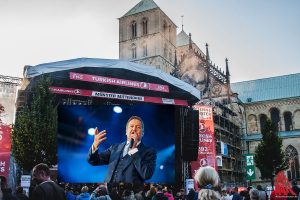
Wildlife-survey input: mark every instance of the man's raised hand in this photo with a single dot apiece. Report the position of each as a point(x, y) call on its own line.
point(98, 138)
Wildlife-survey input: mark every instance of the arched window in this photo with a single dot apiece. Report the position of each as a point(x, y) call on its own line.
point(170, 29)
point(252, 124)
point(133, 29)
point(145, 26)
point(275, 117)
point(262, 121)
point(288, 121)
point(133, 50)
point(297, 120)
point(165, 51)
point(165, 26)
point(291, 154)
point(145, 51)
point(170, 55)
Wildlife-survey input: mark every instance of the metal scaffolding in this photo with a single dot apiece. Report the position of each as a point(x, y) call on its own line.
point(9, 80)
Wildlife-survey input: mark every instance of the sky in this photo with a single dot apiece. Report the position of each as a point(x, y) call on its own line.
point(260, 38)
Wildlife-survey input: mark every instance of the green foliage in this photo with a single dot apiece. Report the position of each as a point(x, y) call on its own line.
point(34, 132)
point(269, 157)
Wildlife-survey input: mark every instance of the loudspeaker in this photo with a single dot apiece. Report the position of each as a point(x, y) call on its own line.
point(190, 139)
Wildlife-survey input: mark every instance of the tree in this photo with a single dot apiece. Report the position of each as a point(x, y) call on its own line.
point(34, 132)
point(269, 157)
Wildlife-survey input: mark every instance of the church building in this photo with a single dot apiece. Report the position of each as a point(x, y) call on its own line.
point(148, 36)
point(276, 98)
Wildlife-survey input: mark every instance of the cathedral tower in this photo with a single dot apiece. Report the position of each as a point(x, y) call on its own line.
point(147, 36)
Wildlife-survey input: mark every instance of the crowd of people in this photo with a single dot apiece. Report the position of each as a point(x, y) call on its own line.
point(122, 191)
point(207, 180)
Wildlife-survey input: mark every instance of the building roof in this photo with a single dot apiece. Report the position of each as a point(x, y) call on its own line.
point(280, 87)
point(182, 39)
point(142, 6)
point(32, 71)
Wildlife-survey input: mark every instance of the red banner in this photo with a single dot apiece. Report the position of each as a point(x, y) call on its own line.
point(119, 82)
point(5, 146)
point(4, 164)
point(110, 95)
point(5, 140)
point(207, 147)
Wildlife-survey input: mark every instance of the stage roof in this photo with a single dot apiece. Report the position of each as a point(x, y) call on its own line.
point(32, 71)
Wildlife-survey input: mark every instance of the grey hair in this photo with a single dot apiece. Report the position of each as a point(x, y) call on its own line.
point(138, 118)
point(205, 194)
point(206, 176)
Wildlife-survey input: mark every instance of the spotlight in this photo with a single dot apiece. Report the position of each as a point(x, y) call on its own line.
point(117, 109)
point(161, 167)
point(91, 131)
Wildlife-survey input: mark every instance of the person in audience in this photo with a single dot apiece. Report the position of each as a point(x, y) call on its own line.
point(254, 194)
point(207, 179)
point(84, 195)
point(46, 189)
point(159, 194)
point(262, 194)
point(100, 193)
point(69, 193)
point(236, 195)
point(20, 194)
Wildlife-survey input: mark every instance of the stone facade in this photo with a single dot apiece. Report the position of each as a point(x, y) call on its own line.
point(193, 69)
point(183, 50)
point(158, 62)
point(149, 38)
point(192, 66)
point(288, 129)
point(213, 82)
point(284, 106)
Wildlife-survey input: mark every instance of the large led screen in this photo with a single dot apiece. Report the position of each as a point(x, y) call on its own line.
point(76, 128)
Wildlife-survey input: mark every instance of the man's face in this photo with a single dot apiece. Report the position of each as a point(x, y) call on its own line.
point(134, 129)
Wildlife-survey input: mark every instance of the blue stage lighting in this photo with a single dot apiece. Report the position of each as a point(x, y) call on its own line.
point(117, 109)
point(161, 167)
point(91, 131)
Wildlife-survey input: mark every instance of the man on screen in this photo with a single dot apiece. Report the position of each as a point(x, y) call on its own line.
point(130, 161)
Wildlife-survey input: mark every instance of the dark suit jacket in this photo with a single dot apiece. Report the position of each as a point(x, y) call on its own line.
point(48, 191)
point(138, 168)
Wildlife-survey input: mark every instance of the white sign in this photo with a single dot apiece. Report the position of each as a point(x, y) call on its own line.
point(25, 180)
point(249, 160)
point(205, 113)
point(219, 161)
point(189, 184)
point(117, 96)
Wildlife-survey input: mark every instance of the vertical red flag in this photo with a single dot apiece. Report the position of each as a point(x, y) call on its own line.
point(207, 147)
point(5, 146)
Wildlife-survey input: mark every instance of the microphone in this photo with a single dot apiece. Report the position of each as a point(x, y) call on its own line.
point(131, 143)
